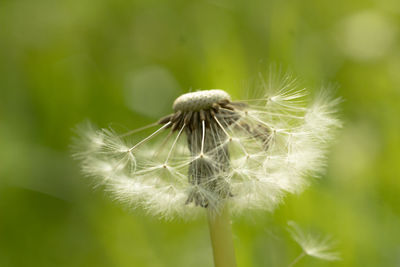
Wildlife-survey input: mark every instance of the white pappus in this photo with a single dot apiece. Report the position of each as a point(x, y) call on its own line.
point(211, 150)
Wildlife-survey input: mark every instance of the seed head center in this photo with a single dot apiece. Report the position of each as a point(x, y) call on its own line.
point(201, 100)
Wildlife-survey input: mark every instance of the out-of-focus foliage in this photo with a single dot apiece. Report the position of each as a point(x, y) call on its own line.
point(123, 62)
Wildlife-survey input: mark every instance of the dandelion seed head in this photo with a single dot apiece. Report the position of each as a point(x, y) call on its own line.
point(213, 150)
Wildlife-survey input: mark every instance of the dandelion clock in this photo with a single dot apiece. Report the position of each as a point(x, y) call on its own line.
point(217, 155)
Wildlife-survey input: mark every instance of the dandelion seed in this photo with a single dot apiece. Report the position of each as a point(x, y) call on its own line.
point(313, 245)
point(247, 154)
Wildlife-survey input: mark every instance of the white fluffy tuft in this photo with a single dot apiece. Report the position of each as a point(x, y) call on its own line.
point(314, 245)
point(153, 174)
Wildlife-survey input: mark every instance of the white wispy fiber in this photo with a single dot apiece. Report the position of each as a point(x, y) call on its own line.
point(213, 150)
point(312, 244)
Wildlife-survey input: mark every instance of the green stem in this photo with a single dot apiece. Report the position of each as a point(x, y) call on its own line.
point(221, 238)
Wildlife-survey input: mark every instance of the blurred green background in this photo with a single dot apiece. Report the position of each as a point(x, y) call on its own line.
point(122, 62)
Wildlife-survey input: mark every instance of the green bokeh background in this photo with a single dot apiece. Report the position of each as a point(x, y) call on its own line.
point(122, 62)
